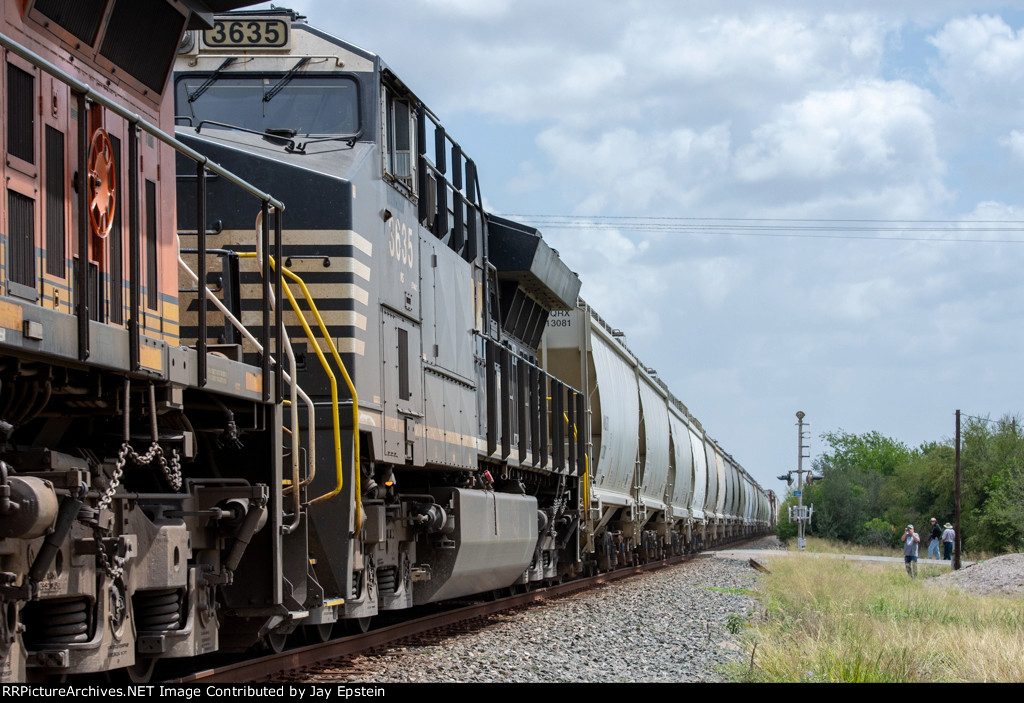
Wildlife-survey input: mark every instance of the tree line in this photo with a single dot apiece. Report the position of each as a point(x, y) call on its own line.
point(874, 486)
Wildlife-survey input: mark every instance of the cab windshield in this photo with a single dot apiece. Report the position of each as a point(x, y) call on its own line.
point(309, 104)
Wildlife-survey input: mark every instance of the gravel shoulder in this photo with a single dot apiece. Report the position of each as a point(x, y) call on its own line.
point(668, 626)
point(999, 576)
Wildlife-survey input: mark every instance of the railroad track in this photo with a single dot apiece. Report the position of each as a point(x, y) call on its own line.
point(342, 656)
point(335, 657)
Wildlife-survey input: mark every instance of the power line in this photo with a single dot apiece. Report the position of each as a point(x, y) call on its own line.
point(989, 420)
point(798, 228)
point(759, 219)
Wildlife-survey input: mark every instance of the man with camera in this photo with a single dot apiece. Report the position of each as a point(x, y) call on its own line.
point(910, 541)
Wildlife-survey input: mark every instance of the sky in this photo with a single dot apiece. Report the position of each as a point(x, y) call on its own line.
point(794, 205)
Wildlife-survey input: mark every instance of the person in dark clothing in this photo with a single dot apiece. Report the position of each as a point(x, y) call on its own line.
point(934, 540)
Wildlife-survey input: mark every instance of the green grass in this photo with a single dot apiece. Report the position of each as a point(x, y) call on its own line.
point(827, 620)
point(827, 546)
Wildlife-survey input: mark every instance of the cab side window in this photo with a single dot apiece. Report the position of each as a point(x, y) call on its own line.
point(399, 137)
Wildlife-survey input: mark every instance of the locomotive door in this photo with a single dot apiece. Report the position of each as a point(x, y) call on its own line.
point(402, 377)
point(24, 197)
point(58, 224)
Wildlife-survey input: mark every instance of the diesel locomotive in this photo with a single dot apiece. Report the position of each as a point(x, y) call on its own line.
point(235, 408)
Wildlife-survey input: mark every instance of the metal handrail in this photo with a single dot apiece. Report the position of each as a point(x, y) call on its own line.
point(351, 388)
point(296, 390)
point(339, 474)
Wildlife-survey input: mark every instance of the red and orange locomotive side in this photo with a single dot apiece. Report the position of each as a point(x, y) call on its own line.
point(95, 42)
point(134, 472)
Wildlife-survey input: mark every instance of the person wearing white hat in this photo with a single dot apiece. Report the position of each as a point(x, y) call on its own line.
point(947, 542)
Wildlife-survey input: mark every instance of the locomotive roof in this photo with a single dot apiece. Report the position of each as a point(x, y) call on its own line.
point(203, 10)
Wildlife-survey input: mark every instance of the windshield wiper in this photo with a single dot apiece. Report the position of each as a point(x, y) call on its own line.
point(210, 81)
point(300, 147)
point(269, 95)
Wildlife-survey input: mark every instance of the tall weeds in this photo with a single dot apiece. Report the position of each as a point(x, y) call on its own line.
point(832, 620)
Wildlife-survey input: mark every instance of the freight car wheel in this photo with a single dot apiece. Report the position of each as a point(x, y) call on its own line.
point(355, 626)
point(648, 548)
point(606, 556)
point(318, 634)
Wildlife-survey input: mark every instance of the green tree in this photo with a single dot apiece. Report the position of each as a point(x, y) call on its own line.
point(784, 529)
point(855, 470)
point(921, 487)
point(874, 485)
point(992, 457)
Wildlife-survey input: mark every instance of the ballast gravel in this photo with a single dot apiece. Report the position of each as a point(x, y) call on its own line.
point(673, 625)
point(999, 576)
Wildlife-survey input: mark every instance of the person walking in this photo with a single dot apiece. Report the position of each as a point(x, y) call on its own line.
point(910, 541)
point(934, 540)
point(948, 537)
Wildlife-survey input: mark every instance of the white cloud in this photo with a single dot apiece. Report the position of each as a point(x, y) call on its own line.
point(982, 66)
point(623, 166)
point(873, 128)
point(982, 47)
point(1015, 141)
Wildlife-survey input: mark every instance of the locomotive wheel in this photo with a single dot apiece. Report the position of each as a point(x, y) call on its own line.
point(142, 670)
point(276, 642)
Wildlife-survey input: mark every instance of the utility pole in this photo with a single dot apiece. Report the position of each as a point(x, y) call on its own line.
point(956, 505)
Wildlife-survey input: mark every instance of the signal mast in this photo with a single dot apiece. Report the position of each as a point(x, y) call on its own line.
point(800, 513)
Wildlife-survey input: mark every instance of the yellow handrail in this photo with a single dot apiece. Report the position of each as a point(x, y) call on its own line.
point(586, 469)
point(348, 382)
point(334, 388)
